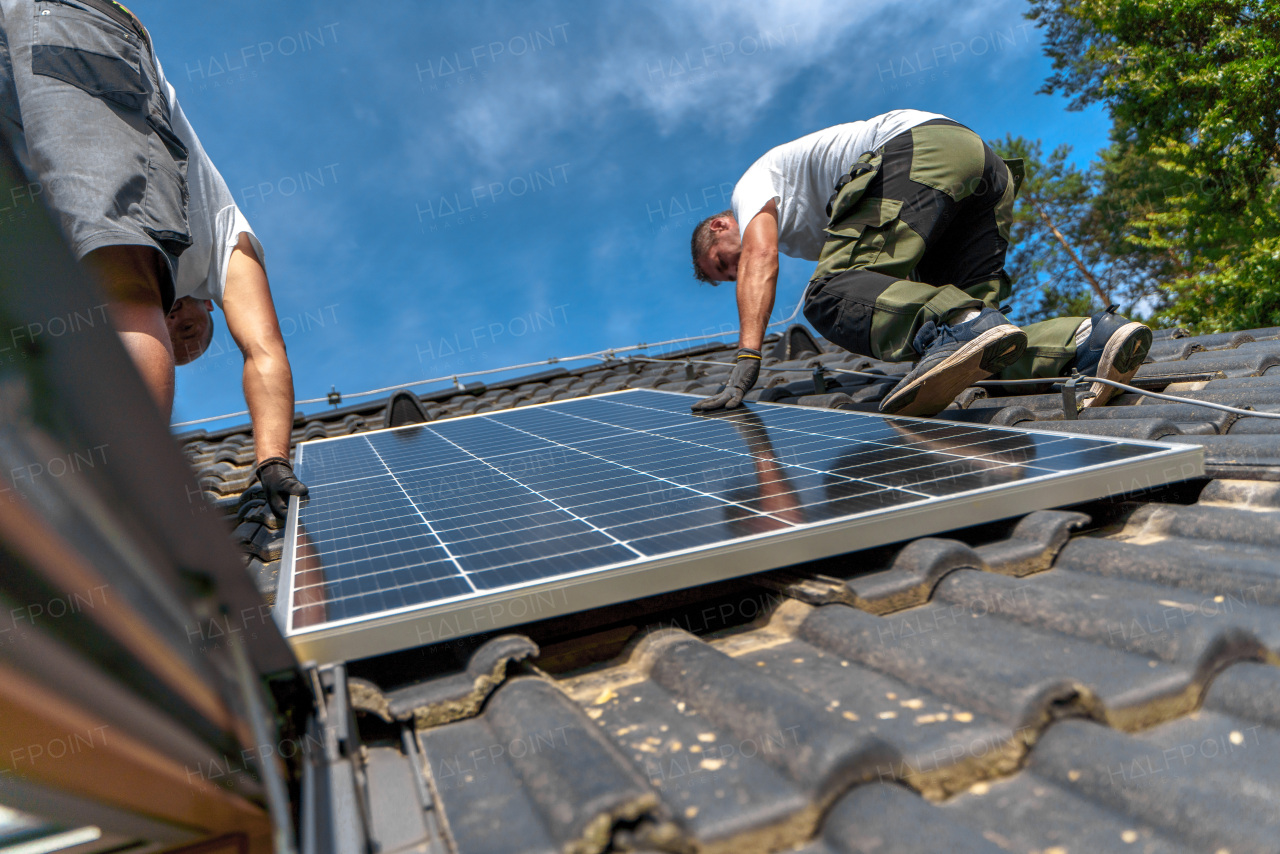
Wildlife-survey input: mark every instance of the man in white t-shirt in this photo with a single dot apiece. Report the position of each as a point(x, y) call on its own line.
point(223, 266)
point(907, 216)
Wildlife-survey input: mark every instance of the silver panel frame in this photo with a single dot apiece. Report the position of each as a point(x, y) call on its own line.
point(284, 589)
point(420, 625)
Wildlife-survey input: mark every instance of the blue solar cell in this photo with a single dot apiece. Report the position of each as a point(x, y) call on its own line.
point(415, 519)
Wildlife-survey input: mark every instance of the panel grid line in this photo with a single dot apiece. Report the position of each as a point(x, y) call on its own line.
point(620, 496)
point(969, 430)
point(425, 521)
point(627, 546)
point(780, 461)
point(656, 477)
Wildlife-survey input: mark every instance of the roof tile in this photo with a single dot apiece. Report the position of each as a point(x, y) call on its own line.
point(942, 665)
point(537, 760)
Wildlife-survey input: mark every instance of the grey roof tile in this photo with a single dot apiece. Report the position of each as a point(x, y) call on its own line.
point(1175, 372)
point(746, 700)
point(1268, 380)
point(962, 657)
point(245, 534)
point(1173, 349)
point(1120, 428)
point(1223, 340)
point(253, 507)
point(1033, 402)
point(1001, 416)
point(1215, 392)
point(1088, 788)
point(1239, 579)
point(929, 683)
point(236, 455)
point(543, 396)
point(1245, 361)
point(1208, 781)
point(890, 819)
point(1244, 494)
point(906, 577)
point(1178, 413)
point(1137, 617)
point(718, 786)
point(1248, 691)
point(795, 343)
point(315, 430)
point(396, 818)
point(784, 378)
point(801, 365)
point(949, 666)
point(265, 577)
point(612, 384)
point(555, 779)
point(644, 382)
point(1247, 425)
point(1238, 455)
point(448, 697)
point(837, 400)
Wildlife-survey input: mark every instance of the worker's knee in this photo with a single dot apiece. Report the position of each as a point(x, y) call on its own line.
point(841, 308)
point(130, 275)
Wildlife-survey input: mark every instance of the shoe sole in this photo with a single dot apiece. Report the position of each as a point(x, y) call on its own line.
point(1125, 352)
point(932, 392)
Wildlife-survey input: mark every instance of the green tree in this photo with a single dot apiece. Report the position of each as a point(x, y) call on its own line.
point(1047, 259)
point(1066, 254)
point(1131, 187)
point(1192, 182)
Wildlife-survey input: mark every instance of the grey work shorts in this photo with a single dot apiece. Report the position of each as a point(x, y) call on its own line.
point(82, 91)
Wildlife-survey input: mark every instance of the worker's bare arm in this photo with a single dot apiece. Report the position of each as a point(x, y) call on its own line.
point(268, 381)
point(757, 276)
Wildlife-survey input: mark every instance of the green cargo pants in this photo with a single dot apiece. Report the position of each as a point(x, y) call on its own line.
point(919, 229)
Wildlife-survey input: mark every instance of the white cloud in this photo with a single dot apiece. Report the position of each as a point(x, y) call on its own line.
point(715, 63)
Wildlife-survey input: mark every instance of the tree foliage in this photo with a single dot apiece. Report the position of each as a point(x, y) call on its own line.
point(1046, 260)
point(1191, 184)
point(1069, 253)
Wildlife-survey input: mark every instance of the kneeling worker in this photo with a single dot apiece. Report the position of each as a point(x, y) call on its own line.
point(907, 215)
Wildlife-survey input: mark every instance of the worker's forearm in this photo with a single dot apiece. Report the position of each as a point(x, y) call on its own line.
point(757, 282)
point(268, 389)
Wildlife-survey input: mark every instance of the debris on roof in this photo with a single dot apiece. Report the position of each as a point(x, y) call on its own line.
point(1091, 678)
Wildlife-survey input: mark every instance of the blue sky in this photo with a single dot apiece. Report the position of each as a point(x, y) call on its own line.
point(454, 187)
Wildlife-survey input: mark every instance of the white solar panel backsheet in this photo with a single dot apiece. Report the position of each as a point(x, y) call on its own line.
point(418, 534)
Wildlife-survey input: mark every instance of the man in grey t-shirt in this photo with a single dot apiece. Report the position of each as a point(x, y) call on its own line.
point(907, 216)
point(83, 97)
point(79, 93)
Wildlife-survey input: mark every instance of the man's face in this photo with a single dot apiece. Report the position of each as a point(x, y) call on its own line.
point(190, 329)
point(720, 261)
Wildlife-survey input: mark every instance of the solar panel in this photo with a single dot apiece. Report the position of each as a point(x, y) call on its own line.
point(419, 534)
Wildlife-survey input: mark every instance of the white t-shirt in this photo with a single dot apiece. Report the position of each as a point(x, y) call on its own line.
point(802, 174)
point(215, 222)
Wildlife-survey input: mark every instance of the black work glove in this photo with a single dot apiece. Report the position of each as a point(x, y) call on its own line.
point(746, 368)
point(276, 475)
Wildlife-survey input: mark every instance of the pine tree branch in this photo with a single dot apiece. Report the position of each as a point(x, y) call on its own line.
point(1071, 253)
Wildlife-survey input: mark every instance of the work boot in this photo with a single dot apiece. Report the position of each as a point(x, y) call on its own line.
point(952, 358)
point(1115, 349)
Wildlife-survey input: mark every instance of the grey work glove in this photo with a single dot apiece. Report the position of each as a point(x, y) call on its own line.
point(279, 482)
point(746, 368)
